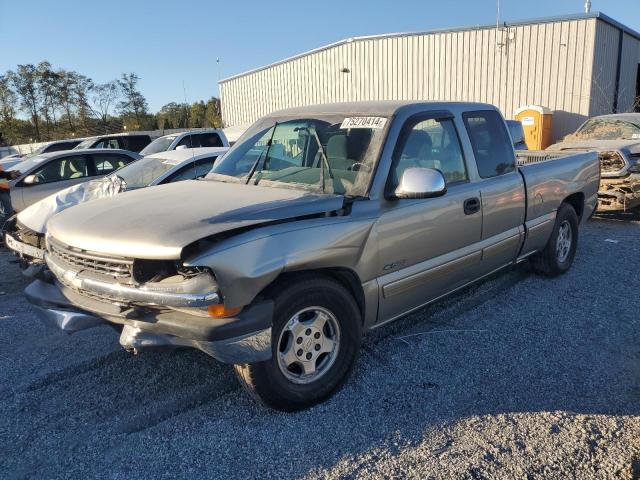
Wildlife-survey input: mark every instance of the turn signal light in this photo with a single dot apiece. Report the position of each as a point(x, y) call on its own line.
point(222, 311)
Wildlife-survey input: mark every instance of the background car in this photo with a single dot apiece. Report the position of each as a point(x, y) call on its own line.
point(49, 173)
point(209, 137)
point(25, 232)
point(56, 146)
point(134, 142)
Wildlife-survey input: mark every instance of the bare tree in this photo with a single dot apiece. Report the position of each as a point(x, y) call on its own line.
point(25, 82)
point(105, 95)
point(133, 102)
point(8, 100)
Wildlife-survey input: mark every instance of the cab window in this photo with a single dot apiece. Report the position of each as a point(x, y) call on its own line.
point(430, 143)
point(491, 143)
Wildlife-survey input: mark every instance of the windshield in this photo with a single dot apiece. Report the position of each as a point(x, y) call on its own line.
point(85, 144)
point(599, 129)
point(161, 144)
point(29, 163)
point(142, 172)
point(36, 152)
point(325, 154)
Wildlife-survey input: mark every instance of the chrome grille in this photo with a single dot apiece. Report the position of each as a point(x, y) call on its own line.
point(610, 162)
point(119, 268)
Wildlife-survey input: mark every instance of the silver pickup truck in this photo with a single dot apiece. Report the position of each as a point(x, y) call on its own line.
point(319, 224)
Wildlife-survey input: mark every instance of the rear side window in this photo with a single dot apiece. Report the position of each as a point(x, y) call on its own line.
point(135, 143)
point(209, 140)
point(105, 163)
point(58, 147)
point(491, 143)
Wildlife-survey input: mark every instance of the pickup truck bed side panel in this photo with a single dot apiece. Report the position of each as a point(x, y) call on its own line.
point(550, 182)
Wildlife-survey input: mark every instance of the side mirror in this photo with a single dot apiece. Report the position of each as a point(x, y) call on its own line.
point(31, 180)
point(421, 183)
point(181, 147)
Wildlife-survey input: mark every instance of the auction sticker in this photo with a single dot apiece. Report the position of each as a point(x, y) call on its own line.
point(363, 122)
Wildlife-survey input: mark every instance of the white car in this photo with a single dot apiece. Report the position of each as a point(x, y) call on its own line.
point(198, 138)
point(25, 231)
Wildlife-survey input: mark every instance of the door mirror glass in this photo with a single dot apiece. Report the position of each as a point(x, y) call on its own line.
point(421, 183)
point(31, 180)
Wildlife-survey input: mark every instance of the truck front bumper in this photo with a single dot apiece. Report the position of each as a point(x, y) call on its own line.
point(619, 194)
point(245, 338)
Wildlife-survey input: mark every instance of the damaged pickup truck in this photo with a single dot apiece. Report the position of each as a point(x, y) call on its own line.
point(616, 138)
point(320, 224)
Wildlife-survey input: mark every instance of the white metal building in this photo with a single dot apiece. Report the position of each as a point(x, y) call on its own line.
point(577, 65)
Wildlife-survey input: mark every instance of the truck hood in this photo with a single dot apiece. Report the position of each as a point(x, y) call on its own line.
point(158, 222)
point(633, 145)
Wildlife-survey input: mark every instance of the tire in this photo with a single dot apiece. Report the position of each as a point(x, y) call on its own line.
point(304, 305)
point(557, 256)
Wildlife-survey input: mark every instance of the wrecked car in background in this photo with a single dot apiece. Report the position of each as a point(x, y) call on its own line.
point(24, 233)
point(320, 224)
point(46, 174)
point(616, 138)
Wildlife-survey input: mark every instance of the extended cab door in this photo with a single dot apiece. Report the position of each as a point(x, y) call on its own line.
point(430, 246)
point(502, 188)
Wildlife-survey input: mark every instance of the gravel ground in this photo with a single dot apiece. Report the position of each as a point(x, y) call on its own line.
point(516, 377)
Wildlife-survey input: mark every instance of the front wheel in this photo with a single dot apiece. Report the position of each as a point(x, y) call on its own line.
point(315, 342)
point(557, 256)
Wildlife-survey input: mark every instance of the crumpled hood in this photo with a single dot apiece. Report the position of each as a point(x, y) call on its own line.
point(35, 216)
point(158, 222)
point(633, 145)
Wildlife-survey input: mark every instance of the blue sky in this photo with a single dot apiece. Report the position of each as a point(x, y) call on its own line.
point(168, 42)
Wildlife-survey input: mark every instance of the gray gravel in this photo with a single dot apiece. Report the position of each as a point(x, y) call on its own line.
point(519, 376)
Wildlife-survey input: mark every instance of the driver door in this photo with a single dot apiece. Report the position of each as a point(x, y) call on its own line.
point(428, 247)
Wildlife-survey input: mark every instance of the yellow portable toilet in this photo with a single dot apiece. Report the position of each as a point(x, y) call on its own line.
point(536, 121)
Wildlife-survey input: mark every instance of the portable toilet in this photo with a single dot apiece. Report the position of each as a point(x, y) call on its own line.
point(536, 122)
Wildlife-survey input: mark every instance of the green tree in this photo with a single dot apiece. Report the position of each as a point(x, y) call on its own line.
point(197, 115)
point(213, 115)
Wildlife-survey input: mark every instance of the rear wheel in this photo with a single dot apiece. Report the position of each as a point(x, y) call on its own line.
point(315, 342)
point(557, 256)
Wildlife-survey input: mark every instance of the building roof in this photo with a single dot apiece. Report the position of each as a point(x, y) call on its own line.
point(563, 18)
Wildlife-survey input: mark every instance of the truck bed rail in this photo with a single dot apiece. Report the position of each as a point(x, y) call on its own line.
point(528, 157)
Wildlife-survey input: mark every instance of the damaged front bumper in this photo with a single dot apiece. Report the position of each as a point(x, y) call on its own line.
point(619, 194)
point(245, 338)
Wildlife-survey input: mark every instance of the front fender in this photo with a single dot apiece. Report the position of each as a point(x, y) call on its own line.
point(244, 265)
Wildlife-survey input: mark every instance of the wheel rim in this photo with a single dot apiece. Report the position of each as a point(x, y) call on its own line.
point(563, 242)
point(308, 345)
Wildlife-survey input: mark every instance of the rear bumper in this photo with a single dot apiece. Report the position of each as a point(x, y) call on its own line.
point(619, 194)
point(245, 338)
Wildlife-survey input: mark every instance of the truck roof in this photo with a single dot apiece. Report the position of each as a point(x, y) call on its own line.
point(381, 107)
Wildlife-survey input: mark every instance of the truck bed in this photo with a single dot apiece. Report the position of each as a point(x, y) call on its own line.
point(549, 179)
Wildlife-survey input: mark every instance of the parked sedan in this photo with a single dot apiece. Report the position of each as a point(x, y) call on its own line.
point(25, 232)
point(49, 173)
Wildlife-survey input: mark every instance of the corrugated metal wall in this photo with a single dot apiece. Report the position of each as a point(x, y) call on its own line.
point(543, 63)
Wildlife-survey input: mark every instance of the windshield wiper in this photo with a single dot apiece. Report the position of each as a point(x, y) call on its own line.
point(325, 161)
point(266, 151)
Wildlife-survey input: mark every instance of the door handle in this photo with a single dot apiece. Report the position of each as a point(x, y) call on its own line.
point(471, 205)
